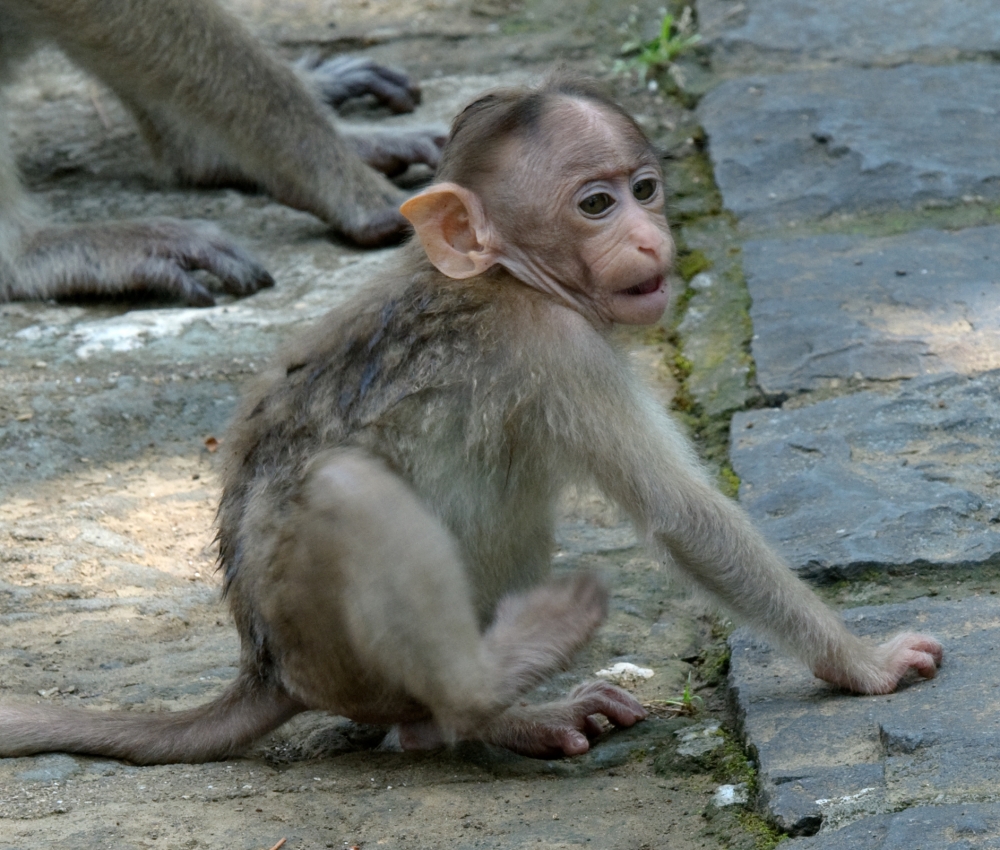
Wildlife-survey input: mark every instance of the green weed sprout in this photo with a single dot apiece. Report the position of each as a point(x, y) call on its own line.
point(675, 37)
point(686, 705)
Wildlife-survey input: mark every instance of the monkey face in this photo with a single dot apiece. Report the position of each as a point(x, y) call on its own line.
point(573, 209)
point(625, 244)
point(590, 226)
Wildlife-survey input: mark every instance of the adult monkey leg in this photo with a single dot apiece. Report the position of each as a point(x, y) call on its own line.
point(214, 104)
point(369, 613)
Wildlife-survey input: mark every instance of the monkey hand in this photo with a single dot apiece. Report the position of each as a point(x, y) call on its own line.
point(393, 152)
point(145, 256)
point(567, 726)
point(887, 665)
point(339, 79)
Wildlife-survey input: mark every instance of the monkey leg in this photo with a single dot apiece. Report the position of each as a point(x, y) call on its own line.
point(212, 101)
point(520, 630)
point(369, 610)
point(155, 256)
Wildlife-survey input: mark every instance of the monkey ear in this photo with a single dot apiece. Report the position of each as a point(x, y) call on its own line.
point(451, 225)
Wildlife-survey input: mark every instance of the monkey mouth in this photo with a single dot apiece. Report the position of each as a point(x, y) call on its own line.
point(647, 287)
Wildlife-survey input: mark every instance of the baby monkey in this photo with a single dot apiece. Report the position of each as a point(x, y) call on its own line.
point(387, 517)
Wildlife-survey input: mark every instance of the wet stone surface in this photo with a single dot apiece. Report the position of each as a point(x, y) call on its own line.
point(829, 758)
point(753, 35)
point(877, 481)
point(800, 146)
point(827, 308)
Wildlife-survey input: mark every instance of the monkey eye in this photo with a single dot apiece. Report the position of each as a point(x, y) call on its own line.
point(643, 190)
point(597, 203)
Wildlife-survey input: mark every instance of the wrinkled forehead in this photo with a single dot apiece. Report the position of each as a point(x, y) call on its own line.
point(578, 140)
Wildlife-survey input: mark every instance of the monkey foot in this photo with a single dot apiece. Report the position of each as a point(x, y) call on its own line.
point(562, 728)
point(565, 727)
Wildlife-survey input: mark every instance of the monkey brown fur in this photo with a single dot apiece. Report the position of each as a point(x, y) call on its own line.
point(387, 515)
point(215, 108)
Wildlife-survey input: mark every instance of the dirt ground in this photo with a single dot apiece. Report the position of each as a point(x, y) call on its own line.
point(108, 592)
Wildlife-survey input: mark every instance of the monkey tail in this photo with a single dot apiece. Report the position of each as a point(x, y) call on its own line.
point(222, 728)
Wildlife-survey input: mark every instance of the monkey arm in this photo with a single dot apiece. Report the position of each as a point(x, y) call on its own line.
point(646, 464)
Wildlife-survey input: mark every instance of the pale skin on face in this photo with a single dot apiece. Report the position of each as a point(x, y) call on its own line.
point(589, 227)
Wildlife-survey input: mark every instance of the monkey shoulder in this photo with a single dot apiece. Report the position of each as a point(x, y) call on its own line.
point(405, 337)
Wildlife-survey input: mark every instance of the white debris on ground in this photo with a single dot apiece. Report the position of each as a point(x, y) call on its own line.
point(730, 795)
point(624, 672)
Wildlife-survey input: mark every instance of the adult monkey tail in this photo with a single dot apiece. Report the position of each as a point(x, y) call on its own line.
point(247, 709)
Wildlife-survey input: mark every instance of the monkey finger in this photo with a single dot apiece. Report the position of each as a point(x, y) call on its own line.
point(923, 662)
point(237, 270)
point(156, 274)
point(618, 705)
point(393, 153)
point(343, 77)
point(910, 651)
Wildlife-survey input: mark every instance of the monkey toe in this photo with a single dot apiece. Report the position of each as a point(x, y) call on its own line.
point(566, 727)
point(616, 704)
point(392, 154)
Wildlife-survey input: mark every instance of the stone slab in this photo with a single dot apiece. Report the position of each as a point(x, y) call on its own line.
point(827, 758)
point(896, 481)
point(831, 307)
point(756, 34)
point(804, 145)
point(959, 826)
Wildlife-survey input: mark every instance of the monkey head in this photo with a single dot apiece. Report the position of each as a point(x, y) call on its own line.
point(566, 193)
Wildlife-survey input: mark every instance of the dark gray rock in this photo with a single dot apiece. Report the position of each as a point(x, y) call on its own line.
point(877, 481)
point(961, 826)
point(801, 146)
point(833, 307)
point(827, 758)
point(756, 34)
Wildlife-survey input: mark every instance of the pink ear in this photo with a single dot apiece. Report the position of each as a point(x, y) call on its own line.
point(451, 225)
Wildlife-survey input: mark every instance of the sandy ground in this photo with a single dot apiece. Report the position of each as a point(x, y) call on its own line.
point(108, 592)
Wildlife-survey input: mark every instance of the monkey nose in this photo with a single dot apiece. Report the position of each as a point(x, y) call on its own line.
point(649, 240)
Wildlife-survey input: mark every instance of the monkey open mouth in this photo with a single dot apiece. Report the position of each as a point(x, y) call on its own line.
point(646, 287)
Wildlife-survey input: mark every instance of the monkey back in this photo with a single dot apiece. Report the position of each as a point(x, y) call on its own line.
point(431, 376)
